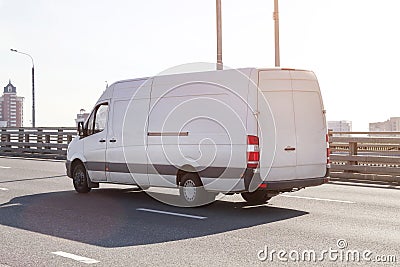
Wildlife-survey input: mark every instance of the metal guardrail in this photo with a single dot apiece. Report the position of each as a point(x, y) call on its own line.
point(371, 156)
point(43, 141)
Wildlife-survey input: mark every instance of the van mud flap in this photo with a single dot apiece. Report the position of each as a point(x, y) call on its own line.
point(252, 180)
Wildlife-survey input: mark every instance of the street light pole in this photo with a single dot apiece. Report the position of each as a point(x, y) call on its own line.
point(220, 65)
point(276, 19)
point(33, 84)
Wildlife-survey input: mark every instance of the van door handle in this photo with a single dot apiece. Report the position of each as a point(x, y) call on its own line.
point(102, 140)
point(113, 140)
point(289, 148)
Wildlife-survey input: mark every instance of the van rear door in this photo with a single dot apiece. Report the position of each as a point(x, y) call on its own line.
point(277, 139)
point(310, 125)
point(292, 99)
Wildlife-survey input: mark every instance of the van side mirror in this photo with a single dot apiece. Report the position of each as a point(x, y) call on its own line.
point(81, 129)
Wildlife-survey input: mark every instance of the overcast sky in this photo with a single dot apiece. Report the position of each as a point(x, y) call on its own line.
point(352, 45)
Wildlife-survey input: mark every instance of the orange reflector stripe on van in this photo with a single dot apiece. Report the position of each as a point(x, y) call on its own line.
point(263, 186)
point(251, 165)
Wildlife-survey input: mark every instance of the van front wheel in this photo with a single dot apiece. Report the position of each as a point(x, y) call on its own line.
point(256, 197)
point(193, 193)
point(79, 178)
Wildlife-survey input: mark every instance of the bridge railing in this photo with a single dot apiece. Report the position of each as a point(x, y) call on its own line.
point(36, 141)
point(373, 156)
point(354, 155)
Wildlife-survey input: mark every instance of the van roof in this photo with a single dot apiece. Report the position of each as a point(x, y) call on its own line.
point(241, 69)
point(285, 69)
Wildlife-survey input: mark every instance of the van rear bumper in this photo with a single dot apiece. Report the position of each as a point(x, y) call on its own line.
point(289, 185)
point(284, 185)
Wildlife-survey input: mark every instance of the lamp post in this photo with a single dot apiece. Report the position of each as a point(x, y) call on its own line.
point(220, 65)
point(276, 19)
point(33, 84)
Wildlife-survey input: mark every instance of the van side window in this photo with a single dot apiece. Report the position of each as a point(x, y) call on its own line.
point(98, 119)
point(100, 122)
point(89, 124)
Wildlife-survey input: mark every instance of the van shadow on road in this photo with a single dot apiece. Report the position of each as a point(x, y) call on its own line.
point(108, 217)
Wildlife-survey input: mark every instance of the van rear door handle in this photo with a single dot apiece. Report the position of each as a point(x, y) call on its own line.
point(113, 140)
point(289, 148)
point(102, 140)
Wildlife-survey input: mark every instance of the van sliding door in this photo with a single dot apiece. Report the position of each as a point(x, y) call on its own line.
point(127, 138)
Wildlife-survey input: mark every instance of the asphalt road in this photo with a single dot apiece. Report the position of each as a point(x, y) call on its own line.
point(43, 222)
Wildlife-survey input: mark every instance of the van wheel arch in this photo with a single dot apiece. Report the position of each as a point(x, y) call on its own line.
point(191, 179)
point(80, 178)
point(77, 162)
point(182, 171)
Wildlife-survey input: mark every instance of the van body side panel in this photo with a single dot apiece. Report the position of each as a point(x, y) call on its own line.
point(126, 152)
point(198, 120)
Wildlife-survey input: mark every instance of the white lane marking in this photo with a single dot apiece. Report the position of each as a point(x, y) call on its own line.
point(173, 213)
point(321, 199)
point(3, 189)
point(10, 205)
point(5, 167)
point(255, 206)
point(75, 257)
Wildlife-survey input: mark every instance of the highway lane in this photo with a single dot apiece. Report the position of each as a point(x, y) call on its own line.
point(43, 222)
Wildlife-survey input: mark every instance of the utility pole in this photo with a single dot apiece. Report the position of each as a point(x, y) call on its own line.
point(220, 65)
point(276, 19)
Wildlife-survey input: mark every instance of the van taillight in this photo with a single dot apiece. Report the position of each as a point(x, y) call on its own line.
point(328, 150)
point(253, 151)
point(328, 155)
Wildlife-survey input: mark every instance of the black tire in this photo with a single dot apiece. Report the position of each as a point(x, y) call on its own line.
point(193, 193)
point(256, 197)
point(79, 178)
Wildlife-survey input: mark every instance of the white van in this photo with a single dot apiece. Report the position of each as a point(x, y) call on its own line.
point(258, 132)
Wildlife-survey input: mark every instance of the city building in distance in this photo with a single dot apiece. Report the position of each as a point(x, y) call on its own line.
point(390, 125)
point(11, 107)
point(340, 126)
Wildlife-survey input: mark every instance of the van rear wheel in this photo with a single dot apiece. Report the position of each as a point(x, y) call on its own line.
point(79, 179)
point(256, 197)
point(193, 193)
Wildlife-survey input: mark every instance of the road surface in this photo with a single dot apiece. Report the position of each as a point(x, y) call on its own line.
point(43, 222)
